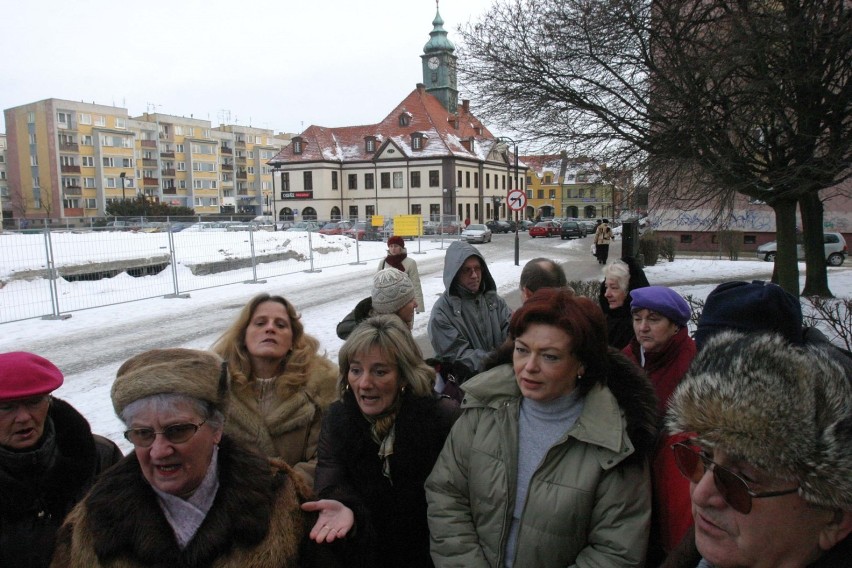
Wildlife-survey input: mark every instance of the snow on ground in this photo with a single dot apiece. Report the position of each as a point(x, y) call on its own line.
point(89, 371)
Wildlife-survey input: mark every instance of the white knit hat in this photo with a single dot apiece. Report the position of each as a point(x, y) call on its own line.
point(392, 289)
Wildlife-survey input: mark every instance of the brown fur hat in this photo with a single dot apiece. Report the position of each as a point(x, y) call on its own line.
point(198, 374)
point(786, 410)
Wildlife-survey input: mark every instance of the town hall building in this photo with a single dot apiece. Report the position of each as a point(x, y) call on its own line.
point(430, 156)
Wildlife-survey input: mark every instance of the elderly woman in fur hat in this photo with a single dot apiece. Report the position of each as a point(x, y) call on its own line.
point(188, 495)
point(378, 444)
point(769, 458)
point(281, 384)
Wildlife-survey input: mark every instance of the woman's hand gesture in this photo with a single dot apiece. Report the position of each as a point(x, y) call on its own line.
point(335, 520)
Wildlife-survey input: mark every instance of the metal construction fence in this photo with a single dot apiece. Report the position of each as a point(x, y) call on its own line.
point(50, 272)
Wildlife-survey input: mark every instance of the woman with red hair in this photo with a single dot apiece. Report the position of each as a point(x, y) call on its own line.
point(548, 464)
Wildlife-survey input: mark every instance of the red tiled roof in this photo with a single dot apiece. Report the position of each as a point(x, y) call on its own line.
point(444, 135)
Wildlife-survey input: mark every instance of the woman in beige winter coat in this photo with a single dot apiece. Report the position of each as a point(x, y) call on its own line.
point(281, 384)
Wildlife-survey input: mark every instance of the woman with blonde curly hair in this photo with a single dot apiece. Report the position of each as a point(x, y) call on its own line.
point(377, 446)
point(281, 384)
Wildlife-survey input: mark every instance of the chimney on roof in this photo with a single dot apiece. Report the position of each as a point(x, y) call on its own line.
point(421, 87)
point(465, 105)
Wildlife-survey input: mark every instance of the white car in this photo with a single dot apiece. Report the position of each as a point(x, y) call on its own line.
point(476, 234)
point(835, 249)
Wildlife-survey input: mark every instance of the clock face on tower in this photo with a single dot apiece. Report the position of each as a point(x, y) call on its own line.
point(434, 62)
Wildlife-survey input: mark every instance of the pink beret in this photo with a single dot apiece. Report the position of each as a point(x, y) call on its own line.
point(23, 375)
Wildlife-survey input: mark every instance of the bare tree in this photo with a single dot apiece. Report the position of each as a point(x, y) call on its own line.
point(713, 97)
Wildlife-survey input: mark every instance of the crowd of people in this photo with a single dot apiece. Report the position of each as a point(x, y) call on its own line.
point(568, 432)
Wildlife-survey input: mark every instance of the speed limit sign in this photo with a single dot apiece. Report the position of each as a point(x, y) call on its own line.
point(517, 200)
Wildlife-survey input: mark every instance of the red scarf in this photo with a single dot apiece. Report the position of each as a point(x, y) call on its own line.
point(395, 260)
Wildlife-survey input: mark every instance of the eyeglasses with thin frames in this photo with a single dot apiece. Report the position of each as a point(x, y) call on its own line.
point(175, 434)
point(733, 488)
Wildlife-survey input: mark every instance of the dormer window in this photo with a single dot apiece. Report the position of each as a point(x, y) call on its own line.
point(370, 144)
point(405, 118)
point(417, 140)
point(297, 146)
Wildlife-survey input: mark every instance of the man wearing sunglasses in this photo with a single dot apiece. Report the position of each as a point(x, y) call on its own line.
point(769, 457)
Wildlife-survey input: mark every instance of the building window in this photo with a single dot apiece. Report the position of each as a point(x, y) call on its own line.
point(370, 145)
point(417, 143)
point(467, 179)
point(749, 239)
point(297, 146)
point(110, 182)
point(87, 161)
point(285, 181)
point(108, 162)
point(179, 148)
point(415, 179)
point(91, 203)
point(385, 180)
point(89, 183)
point(30, 118)
point(334, 181)
point(120, 123)
point(181, 166)
point(592, 192)
point(64, 119)
point(369, 181)
point(308, 180)
point(487, 181)
point(100, 120)
point(415, 209)
point(434, 178)
point(404, 119)
point(353, 212)
point(475, 179)
point(459, 184)
point(353, 181)
point(127, 162)
point(86, 140)
point(84, 118)
point(504, 181)
point(686, 239)
point(397, 180)
point(548, 179)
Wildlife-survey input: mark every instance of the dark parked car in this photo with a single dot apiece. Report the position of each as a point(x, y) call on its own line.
point(572, 229)
point(499, 226)
point(525, 225)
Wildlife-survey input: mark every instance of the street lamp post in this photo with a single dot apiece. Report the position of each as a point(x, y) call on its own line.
point(505, 139)
point(123, 196)
point(275, 171)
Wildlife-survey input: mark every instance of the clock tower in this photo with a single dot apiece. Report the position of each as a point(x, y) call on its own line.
point(439, 66)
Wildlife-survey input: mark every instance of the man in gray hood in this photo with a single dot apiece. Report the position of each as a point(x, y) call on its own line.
point(469, 319)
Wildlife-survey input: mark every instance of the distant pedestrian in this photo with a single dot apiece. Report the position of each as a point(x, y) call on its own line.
point(398, 258)
point(603, 237)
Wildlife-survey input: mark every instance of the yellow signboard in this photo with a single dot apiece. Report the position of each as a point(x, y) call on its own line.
point(408, 225)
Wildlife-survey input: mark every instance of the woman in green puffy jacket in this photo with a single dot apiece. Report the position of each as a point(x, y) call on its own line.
point(548, 464)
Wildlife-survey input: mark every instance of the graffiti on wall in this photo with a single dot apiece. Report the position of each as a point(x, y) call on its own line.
point(706, 220)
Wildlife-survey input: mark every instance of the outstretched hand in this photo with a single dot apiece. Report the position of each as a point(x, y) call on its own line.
point(335, 520)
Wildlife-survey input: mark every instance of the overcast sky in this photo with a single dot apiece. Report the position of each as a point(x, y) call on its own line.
point(277, 64)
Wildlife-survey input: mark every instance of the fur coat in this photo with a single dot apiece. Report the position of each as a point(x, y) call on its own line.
point(289, 429)
point(255, 520)
point(38, 488)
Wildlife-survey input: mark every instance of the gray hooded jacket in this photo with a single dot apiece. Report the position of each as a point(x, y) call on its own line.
point(463, 326)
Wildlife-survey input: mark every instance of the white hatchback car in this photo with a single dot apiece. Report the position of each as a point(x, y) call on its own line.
point(835, 249)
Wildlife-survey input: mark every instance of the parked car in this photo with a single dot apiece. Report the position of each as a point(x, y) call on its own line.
point(525, 225)
point(430, 227)
point(836, 250)
point(303, 226)
point(589, 224)
point(499, 226)
point(364, 232)
point(335, 228)
point(476, 233)
point(544, 229)
point(450, 227)
point(571, 229)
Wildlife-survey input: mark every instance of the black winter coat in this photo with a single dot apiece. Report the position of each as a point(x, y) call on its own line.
point(390, 517)
point(34, 502)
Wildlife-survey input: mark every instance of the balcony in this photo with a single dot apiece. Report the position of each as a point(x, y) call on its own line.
point(169, 172)
point(169, 191)
point(72, 190)
point(69, 169)
point(149, 163)
point(69, 147)
point(227, 167)
point(226, 150)
point(242, 192)
point(242, 175)
point(167, 155)
point(149, 143)
point(150, 182)
point(240, 144)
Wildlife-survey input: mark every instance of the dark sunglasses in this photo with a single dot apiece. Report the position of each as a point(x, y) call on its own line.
point(733, 488)
point(175, 434)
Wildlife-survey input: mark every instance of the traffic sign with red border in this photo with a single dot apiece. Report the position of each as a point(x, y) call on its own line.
point(517, 200)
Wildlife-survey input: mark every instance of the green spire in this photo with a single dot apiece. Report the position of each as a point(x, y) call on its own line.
point(438, 36)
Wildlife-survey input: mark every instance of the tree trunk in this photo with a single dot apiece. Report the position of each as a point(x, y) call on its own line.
point(816, 273)
point(786, 264)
